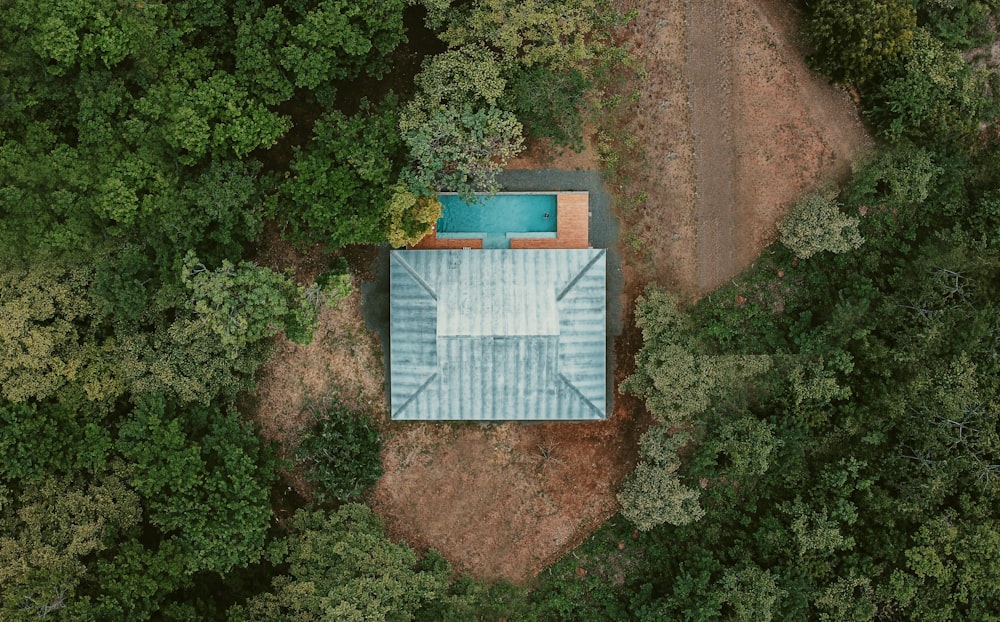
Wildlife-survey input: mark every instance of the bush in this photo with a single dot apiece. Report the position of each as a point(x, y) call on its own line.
point(816, 224)
point(340, 452)
point(855, 40)
point(547, 104)
point(410, 217)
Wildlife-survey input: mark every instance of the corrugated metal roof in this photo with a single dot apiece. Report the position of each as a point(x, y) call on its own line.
point(497, 334)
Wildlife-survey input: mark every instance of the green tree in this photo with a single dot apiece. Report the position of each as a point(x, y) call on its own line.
point(960, 24)
point(848, 598)
point(60, 339)
point(341, 566)
point(51, 334)
point(43, 439)
point(470, 74)
point(461, 150)
point(50, 535)
point(260, 40)
point(747, 445)
point(44, 196)
point(337, 40)
point(678, 383)
point(203, 118)
point(342, 181)
point(245, 303)
point(855, 40)
point(548, 104)
point(411, 217)
point(815, 382)
point(816, 224)
point(341, 451)
point(750, 594)
point(893, 189)
point(205, 482)
point(67, 36)
point(951, 567)
point(935, 97)
point(109, 150)
point(457, 137)
point(560, 34)
point(671, 375)
point(654, 493)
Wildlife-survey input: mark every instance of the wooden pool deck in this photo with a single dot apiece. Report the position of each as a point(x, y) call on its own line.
point(572, 228)
point(431, 241)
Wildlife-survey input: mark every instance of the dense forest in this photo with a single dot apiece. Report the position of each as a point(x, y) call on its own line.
point(825, 442)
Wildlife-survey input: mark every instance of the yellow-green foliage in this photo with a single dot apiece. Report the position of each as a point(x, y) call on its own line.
point(410, 217)
point(654, 494)
point(678, 382)
point(855, 40)
point(554, 34)
point(816, 224)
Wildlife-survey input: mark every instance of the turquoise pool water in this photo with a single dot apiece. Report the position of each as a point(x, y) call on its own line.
point(495, 217)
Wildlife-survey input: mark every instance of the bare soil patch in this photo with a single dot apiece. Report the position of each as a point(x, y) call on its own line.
point(732, 128)
point(542, 154)
point(343, 360)
point(502, 501)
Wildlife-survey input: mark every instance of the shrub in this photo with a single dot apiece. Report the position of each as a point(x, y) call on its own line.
point(410, 217)
point(547, 104)
point(816, 224)
point(340, 451)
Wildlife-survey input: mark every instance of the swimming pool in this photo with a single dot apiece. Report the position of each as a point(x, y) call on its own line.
point(498, 218)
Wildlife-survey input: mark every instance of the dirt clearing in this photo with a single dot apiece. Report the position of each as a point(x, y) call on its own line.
point(728, 130)
point(501, 501)
point(731, 128)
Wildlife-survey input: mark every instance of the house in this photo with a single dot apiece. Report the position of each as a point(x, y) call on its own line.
point(495, 335)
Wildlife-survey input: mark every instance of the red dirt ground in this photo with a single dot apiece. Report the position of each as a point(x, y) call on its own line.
point(731, 129)
point(728, 130)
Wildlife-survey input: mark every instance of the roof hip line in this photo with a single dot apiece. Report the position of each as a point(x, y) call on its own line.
point(416, 393)
point(579, 275)
point(413, 273)
point(580, 394)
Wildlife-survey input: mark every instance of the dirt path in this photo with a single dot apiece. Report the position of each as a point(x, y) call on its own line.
point(709, 70)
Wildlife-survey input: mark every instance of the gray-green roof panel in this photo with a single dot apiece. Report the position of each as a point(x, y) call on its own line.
point(498, 334)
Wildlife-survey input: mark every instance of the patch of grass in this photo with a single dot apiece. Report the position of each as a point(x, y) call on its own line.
point(634, 242)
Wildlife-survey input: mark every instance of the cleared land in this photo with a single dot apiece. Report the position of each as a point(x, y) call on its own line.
point(730, 128)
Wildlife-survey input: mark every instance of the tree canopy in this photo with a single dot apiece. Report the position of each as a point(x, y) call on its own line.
point(823, 441)
point(144, 149)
